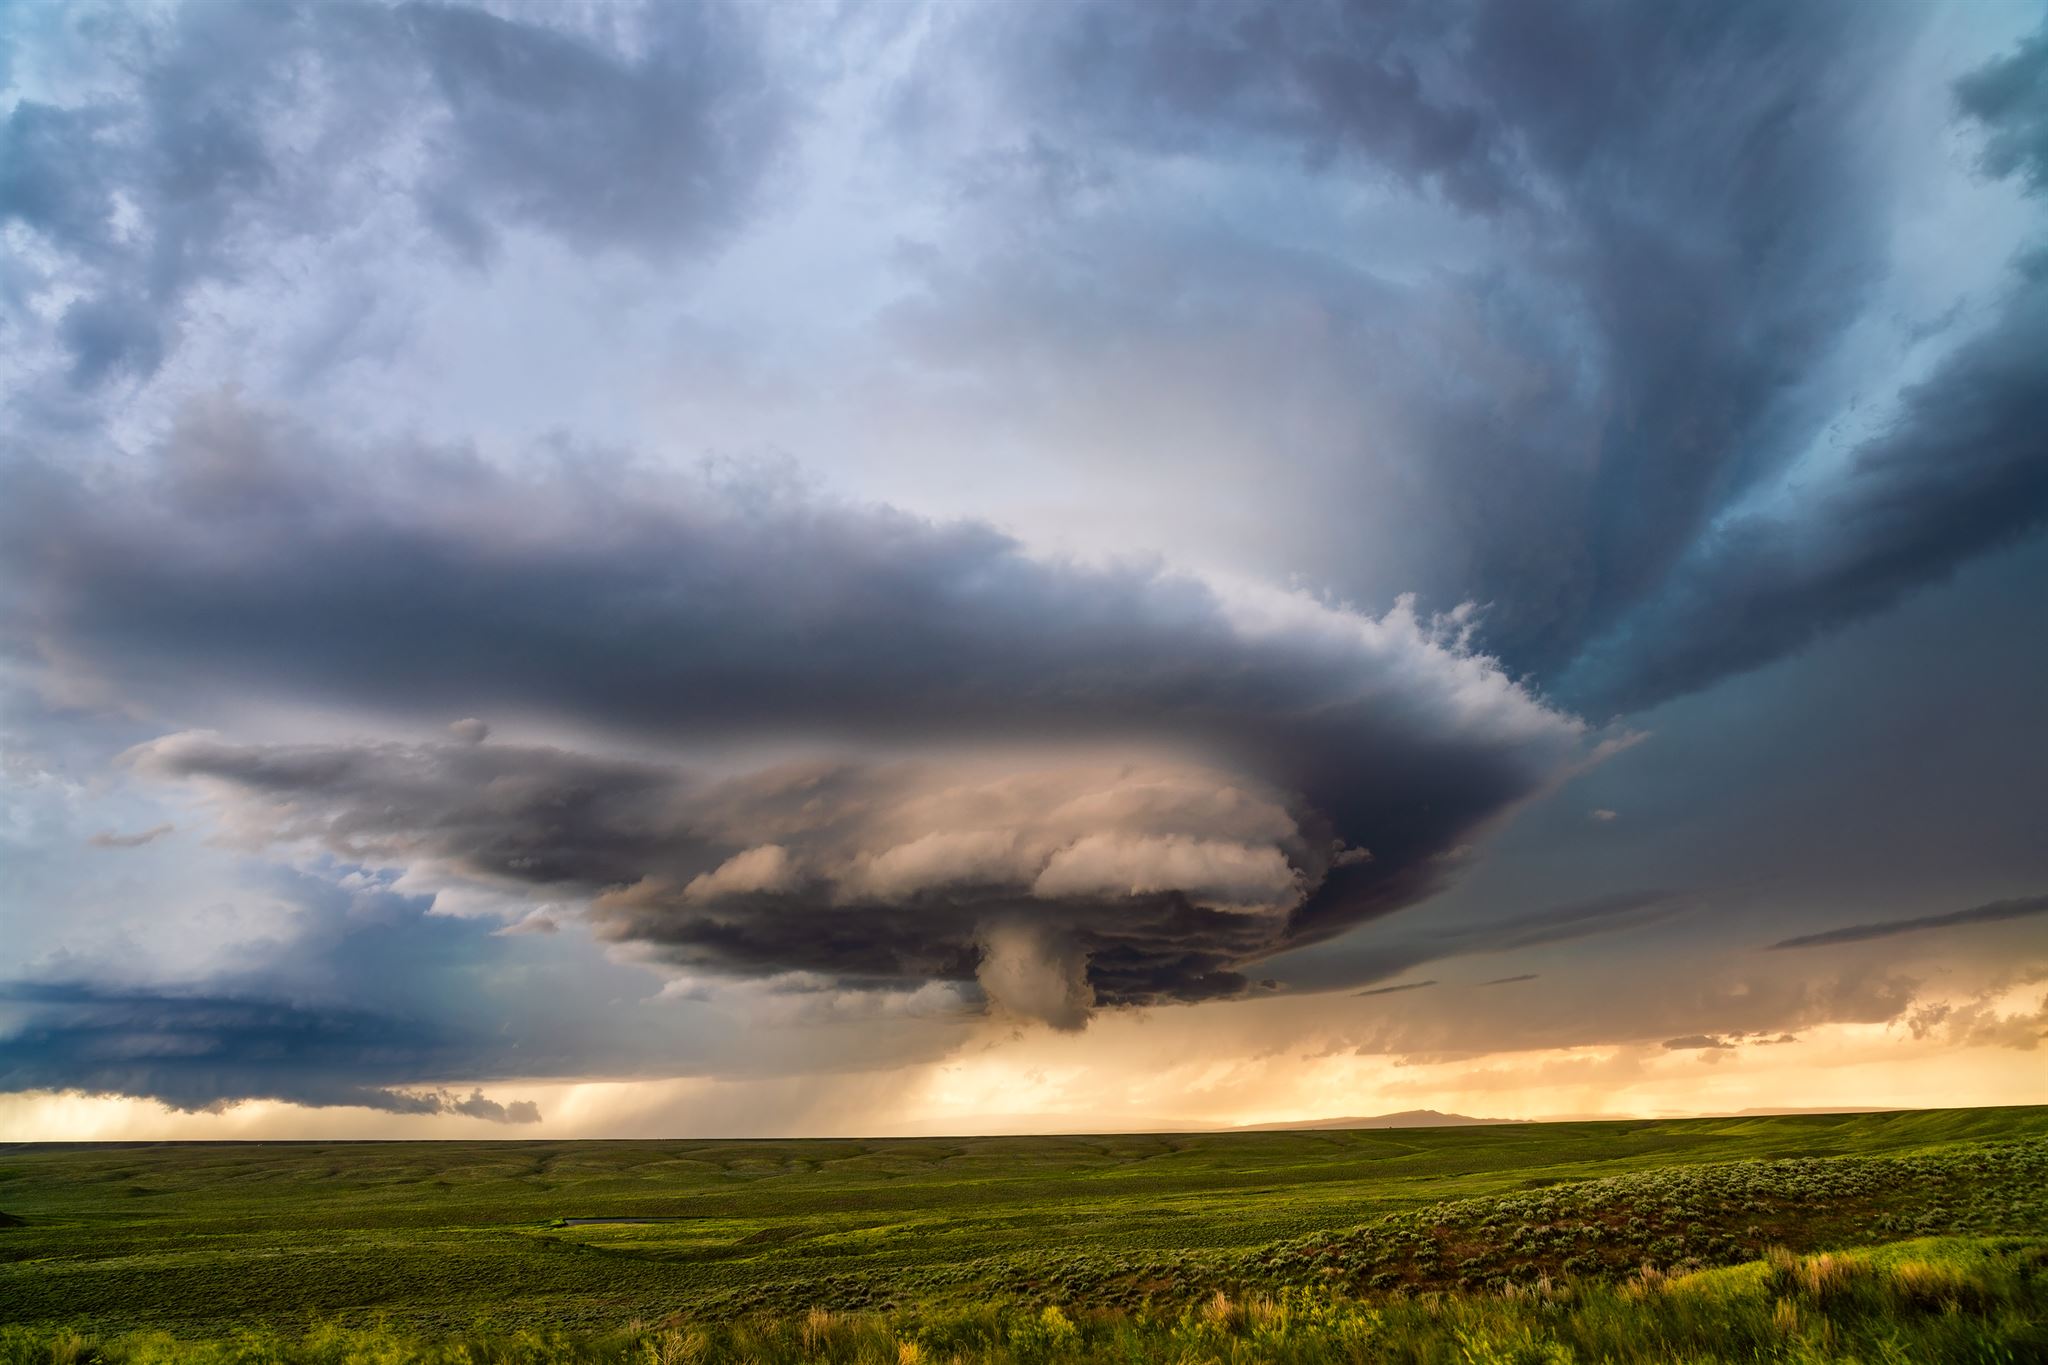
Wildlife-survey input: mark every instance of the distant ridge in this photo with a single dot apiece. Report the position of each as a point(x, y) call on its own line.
point(1407, 1118)
point(1780, 1111)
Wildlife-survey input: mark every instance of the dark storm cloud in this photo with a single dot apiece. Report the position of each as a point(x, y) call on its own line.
point(425, 581)
point(2010, 97)
point(1686, 209)
point(197, 1051)
point(1964, 469)
point(226, 130)
point(368, 1001)
point(1149, 884)
point(1995, 912)
point(1336, 756)
point(837, 900)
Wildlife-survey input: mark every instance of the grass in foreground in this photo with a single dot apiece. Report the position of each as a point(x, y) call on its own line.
point(1707, 1241)
point(203, 1240)
point(1939, 1300)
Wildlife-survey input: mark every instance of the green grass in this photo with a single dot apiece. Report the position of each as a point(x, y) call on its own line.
point(421, 1242)
point(1927, 1302)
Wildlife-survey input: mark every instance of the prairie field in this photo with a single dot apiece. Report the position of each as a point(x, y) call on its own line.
point(1907, 1236)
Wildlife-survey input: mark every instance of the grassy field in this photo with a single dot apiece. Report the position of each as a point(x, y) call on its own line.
point(433, 1240)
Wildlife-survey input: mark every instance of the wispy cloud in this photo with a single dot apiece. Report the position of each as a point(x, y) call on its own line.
point(1394, 990)
point(1993, 912)
point(112, 839)
point(1393, 952)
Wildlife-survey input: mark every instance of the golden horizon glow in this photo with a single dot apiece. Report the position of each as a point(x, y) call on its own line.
point(1128, 1074)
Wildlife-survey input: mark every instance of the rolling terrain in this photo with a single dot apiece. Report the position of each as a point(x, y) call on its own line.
point(204, 1241)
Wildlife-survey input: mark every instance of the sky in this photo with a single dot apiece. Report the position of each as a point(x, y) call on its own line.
point(868, 568)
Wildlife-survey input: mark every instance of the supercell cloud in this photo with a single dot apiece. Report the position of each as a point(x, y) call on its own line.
point(1024, 767)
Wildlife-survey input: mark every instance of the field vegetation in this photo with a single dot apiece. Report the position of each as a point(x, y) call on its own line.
point(1919, 1236)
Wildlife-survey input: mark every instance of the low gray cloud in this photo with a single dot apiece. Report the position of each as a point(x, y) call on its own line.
point(363, 997)
point(1510, 980)
point(1978, 1023)
point(478, 1106)
point(1993, 912)
point(191, 1050)
point(1698, 1042)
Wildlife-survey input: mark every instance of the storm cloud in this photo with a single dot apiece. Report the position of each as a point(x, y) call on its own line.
point(1263, 770)
point(1679, 225)
point(220, 133)
point(366, 1001)
point(2010, 97)
point(196, 1051)
point(1962, 470)
point(428, 581)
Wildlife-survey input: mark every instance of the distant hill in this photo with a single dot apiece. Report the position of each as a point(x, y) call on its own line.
point(1782, 1112)
point(1407, 1118)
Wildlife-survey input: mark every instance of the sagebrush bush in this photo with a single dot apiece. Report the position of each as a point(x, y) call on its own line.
point(1944, 1301)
